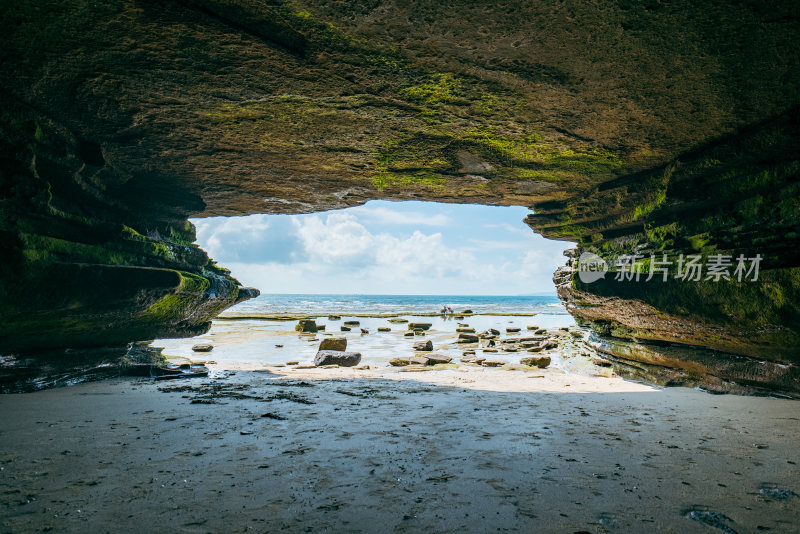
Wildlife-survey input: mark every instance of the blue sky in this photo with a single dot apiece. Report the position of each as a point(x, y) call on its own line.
point(387, 248)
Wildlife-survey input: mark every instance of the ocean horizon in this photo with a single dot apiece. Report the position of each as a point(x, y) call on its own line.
point(296, 303)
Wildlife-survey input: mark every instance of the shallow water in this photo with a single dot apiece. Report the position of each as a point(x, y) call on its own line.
point(253, 342)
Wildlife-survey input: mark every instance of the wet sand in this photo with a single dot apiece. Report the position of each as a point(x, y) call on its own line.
point(471, 449)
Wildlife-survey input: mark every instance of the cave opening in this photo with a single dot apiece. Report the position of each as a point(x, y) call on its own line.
point(380, 263)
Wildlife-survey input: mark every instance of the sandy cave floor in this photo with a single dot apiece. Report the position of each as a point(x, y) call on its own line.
point(330, 450)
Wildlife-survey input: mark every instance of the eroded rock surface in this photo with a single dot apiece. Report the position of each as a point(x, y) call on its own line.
point(638, 127)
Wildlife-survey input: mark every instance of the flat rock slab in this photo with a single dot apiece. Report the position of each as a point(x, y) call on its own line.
point(419, 326)
point(536, 361)
point(337, 357)
point(434, 359)
point(410, 360)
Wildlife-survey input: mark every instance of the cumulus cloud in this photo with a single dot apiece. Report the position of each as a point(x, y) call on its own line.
point(253, 239)
point(348, 252)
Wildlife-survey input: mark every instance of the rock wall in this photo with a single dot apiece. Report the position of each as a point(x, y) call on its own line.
point(629, 127)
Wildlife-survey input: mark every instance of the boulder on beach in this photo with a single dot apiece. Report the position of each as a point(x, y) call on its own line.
point(337, 357)
point(536, 361)
point(466, 330)
point(466, 312)
point(512, 329)
point(344, 328)
point(467, 338)
point(419, 326)
point(423, 345)
point(384, 329)
point(532, 327)
point(409, 333)
point(352, 323)
point(306, 325)
point(203, 347)
point(320, 327)
point(333, 343)
point(434, 359)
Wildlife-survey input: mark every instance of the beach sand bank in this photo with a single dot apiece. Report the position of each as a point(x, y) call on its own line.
point(455, 450)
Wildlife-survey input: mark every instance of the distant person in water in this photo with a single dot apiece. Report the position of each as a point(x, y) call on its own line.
point(443, 311)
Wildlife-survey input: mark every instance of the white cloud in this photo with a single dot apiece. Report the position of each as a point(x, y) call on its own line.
point(347, 252)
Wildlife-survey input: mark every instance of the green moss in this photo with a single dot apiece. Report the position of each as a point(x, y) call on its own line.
point(41, 248)
point(427, 180)
point(654, 202)
point(193, 283)
point(699, 242)
point(441, 89)
point(180, 304)
point(169, 309)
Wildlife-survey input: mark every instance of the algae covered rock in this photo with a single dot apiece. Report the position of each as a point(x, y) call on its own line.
point(333, 343)
point(306, 325)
